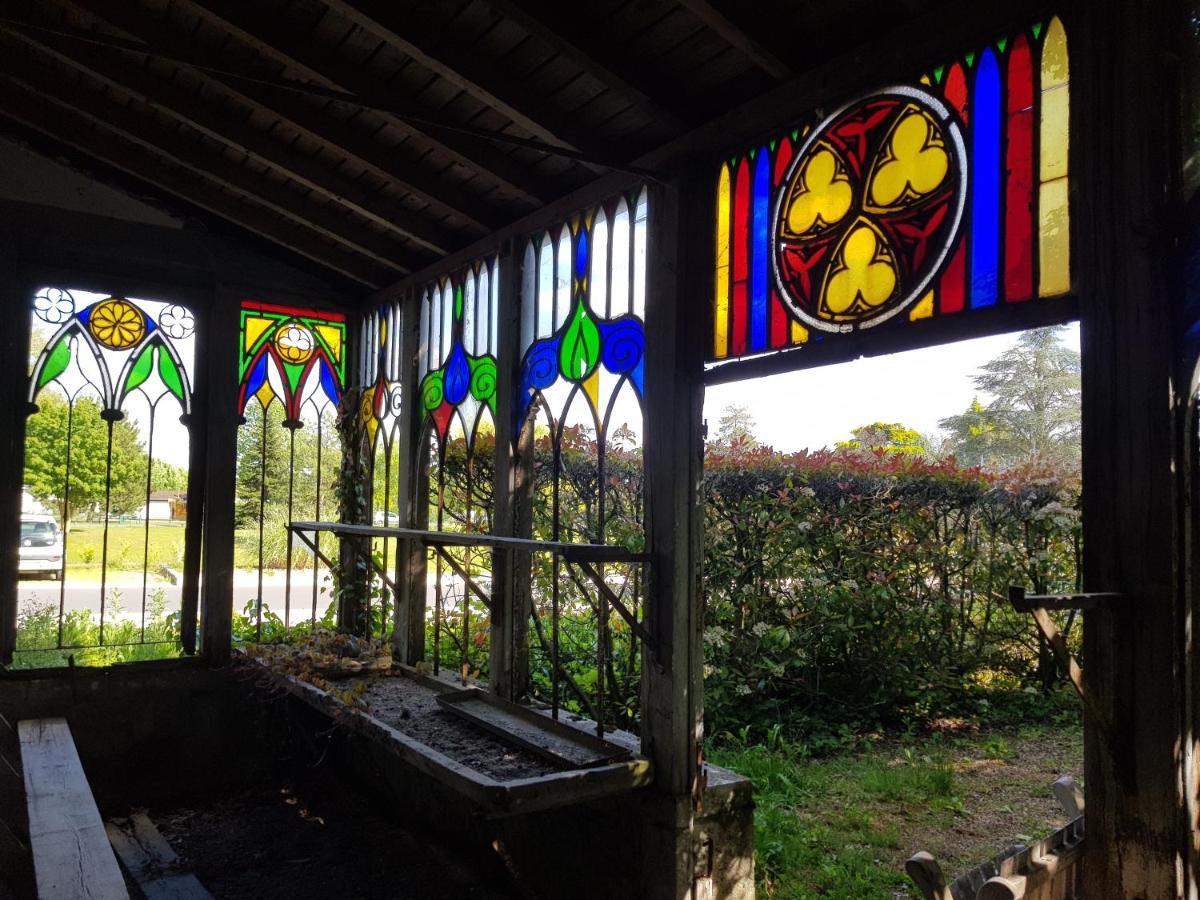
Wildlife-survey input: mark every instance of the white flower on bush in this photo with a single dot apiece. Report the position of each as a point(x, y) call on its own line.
point(760, 628)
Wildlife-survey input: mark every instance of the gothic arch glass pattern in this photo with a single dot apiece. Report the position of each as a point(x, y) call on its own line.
point(110, 395)
point(920, 200)
point(291, 367)
point(456, 384)
point(579, 413)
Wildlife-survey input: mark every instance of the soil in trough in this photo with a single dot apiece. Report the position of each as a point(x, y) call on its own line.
point(411, 707)
point(316, 839)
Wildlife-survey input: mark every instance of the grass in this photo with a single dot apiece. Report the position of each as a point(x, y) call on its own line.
point(841, 827)
point(126, 546)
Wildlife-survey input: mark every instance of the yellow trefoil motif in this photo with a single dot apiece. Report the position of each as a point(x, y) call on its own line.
point(915, 165)
point(865, 276)
point(824, 197)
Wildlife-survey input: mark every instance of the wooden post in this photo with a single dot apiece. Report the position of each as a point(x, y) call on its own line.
point(217, 340)
point(506, 661)
point(408, 636)
point(1121, 157)
point(14, 403)
point(672, 685)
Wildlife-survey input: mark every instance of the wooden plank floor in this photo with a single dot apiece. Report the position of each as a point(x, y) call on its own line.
point(72, 857)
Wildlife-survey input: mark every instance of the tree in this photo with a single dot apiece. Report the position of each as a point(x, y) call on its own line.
point(46, 458)
point(169, 478)
point(736, 428)
point(1035, 411)
point(887, 437)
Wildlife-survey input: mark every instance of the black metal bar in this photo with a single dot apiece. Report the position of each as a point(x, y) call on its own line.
point(571, 552)
point(107, 506)
point(461, 572)
point(287, 576)
point(262, 514)
point(612, 599)
point(146, 538)
point(62, 577)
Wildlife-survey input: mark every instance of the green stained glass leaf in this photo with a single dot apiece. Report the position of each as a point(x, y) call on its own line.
point(432, 391)
point(169, 373)
point(971, 59)
point(142, 367)
point(458, 302)
point(56, 363)
point(293, 374)
point(580, 350)
point(1037, 30)
point(938, 73)
point(1002, 44)
point(483, 381)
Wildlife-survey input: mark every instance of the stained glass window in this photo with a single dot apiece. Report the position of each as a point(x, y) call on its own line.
point(456, 372)
point(579, 404)
point(291, 366)
point(920, 200)
point(106, 466)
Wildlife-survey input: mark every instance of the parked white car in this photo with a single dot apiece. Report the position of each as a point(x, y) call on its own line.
point(41, 548)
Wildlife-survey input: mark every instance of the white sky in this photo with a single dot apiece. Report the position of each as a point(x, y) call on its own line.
point(817, 407)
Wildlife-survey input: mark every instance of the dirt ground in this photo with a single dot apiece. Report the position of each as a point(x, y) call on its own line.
point(317, 839)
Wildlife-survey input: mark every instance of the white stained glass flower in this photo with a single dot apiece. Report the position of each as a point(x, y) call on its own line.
point(54, 306)
point(177, 321)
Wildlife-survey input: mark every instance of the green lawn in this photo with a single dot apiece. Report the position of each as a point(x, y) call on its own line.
point(126, 546)
point(842, 827)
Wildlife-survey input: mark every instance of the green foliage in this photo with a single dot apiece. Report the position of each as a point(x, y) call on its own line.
point(37, 635)
point(851, 590)
point(46, 458)
point(735, 428)
point(887, 437)
point(1035, 414)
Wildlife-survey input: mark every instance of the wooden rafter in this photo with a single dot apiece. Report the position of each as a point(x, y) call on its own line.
point(303, 116)
point(736, 37)
point(553, 34)
point(74, 130)
point(193, 112)
point(417, 37)
point(212, 165)
point(282, 42)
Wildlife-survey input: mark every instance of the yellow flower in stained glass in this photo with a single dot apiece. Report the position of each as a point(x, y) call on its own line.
point(865, 276)
point(915, 165)
point(824, 194)
point(117, 324)
point(294, 342)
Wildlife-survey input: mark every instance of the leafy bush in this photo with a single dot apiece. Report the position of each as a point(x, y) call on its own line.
point(855, 589)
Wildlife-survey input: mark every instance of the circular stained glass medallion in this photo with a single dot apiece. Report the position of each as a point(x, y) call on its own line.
point(869, 209)
point(116, 323)
point(294, 342)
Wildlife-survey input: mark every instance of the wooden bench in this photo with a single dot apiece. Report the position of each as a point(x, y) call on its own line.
point(1046, 870)
point(72, 857)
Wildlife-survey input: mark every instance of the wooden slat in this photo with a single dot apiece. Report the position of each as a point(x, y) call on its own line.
point(417, 36)
point(158, 93)
point(72, 858)
point(75, 131)
point(735, 36)
point(150, 860)
point(262, 93)
point(553, 34)
point(284, 43)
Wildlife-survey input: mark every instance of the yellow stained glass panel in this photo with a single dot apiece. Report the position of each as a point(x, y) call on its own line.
point(1055, 103)
point(721, 307)
point(254, 329)
point(332, 337)
point(923, 308)
point(1054, 239)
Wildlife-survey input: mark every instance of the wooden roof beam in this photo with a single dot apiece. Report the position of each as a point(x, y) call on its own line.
point(140, 129)
point(73, 130)
point(190, 109)
point(284, 43)
point(421, 40)
point(735, 36)
point(442, 196)
point(553, 35)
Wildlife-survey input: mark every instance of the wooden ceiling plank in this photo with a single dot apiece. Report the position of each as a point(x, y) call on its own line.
point(446, 198)
point(737, 37)
point(553, 34)
point(72, 130)
point(161, 95)
point(140, 129)
point(284, 44)
point(416, 36)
